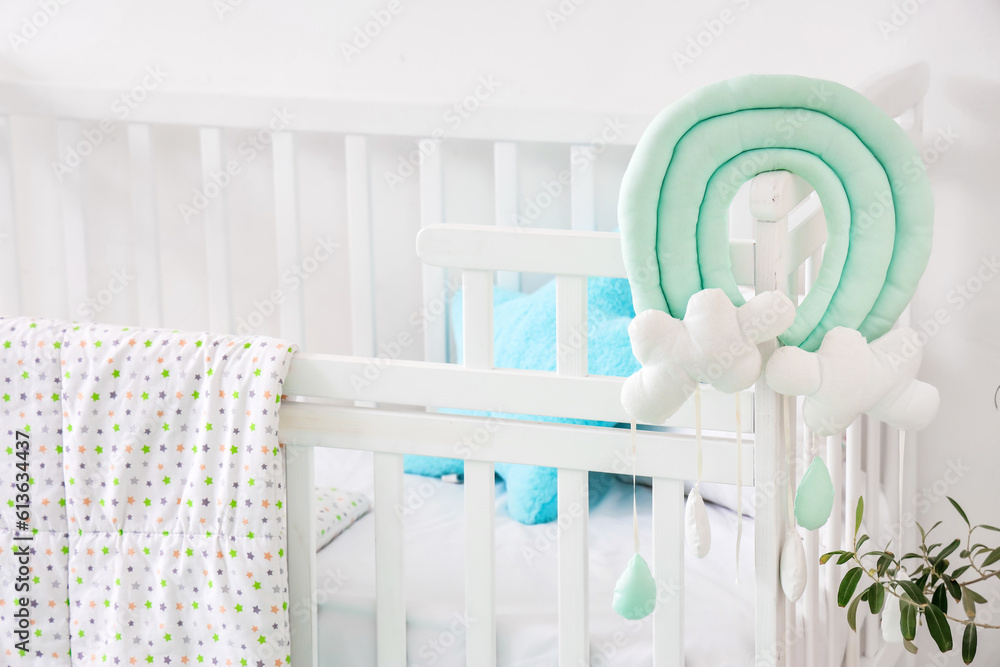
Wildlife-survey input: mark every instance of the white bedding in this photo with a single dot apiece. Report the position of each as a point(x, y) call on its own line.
point(719, 612)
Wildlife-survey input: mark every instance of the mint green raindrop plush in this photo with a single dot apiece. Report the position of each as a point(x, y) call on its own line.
point(635, 592)
point(814, 498)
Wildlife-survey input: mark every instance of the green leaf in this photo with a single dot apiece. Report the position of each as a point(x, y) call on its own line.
point(912, 590)
point(861, 540)
point(907, 619)
point(992, 558)
point(939, 628)
point(953, 588)
point(858, 513)
point(947, 551)
point(969, 604)
point(940, 598)
point(852, 613)
point(993, 528)
point(844, 557)
point(959, 571)
point(876, 597)
point(883, 565)
point(976, 597)
point(969, 641)
point(848, 585)
point(910, 646)
point(826, 557)
point(958, 508)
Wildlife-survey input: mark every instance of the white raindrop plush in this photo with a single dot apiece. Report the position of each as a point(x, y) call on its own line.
point(792, 566)
point(697, 529)
point(891, 632)
point(848, 377)
point(716, 343)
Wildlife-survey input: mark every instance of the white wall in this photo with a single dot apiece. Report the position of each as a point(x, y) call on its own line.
point(614, 57)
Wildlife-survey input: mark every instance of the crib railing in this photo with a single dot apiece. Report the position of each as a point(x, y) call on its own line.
point(479, 253)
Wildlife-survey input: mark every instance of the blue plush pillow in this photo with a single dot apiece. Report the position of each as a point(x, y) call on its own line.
point(525, 338)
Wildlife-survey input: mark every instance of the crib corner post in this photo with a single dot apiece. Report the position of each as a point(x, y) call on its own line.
point(770, 473)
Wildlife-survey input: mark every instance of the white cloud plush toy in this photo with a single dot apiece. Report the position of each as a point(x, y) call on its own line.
point(716, 343)
point(848, 377)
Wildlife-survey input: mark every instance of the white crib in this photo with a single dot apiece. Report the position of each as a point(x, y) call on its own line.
point(336, 410)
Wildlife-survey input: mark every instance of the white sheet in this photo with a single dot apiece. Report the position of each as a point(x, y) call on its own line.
point(719, 621)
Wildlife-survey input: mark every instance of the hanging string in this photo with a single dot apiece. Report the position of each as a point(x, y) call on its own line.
point(635, 511)
point(697, 430)
point(902, 477)
point(739, 482)
point(786, 408)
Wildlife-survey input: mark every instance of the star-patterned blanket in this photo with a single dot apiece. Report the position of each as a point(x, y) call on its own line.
point(156, 497)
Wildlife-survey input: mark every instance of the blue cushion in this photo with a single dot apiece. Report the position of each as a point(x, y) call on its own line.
point(525, 338)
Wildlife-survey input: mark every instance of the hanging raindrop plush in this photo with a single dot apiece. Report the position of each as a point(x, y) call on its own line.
point(635, 592)
point(697, 530)
point(814, 497)
point(793, 565)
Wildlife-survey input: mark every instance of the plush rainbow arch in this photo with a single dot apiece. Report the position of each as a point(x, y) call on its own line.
point(870, 179)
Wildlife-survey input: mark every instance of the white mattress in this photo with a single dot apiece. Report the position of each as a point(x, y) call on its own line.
point(718, 611)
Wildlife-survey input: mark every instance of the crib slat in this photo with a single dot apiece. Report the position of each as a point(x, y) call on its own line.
point(390, 590)
point(359, 241)
point(769, 462)
point(668, 570)
point(434, 277)
point(147, 232)
point(581, 170)
point(873, 514)
point(480, 564)
point(220, 291)
point(574, 597)
point(477, 319)
point(573, 497)
point(505, 200)
point(480, 493)
point(852, 491)
point(834, 540)
point(10, 272)
point(852, 483)
point(813, 631)
point(74, 223)
point(300, 493)
point(286, 228)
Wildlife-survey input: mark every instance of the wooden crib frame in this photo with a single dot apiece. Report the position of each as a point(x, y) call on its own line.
point(337, 411)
